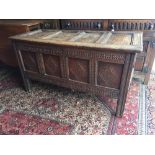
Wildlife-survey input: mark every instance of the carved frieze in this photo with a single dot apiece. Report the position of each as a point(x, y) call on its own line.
point(75, 52)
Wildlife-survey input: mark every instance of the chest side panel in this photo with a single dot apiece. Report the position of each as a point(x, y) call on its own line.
point(29, 60)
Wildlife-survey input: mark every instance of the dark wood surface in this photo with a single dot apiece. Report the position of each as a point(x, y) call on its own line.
point(97, 62)
point(108, 24)
point(82, 24)
point(9, 28)
point(50, 24)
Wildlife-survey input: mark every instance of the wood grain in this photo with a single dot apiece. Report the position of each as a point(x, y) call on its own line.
point(118, 40)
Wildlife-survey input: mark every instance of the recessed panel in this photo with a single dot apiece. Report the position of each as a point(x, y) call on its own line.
point(52, 65)
point(89, 37)
point(109, 75)
point(30, 61)
point(63, 36)
point(78, 69)
point(120, 39)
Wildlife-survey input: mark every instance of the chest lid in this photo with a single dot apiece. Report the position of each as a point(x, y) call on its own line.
point(128, 41)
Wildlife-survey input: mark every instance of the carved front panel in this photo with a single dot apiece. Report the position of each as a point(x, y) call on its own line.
point(109, 75)
point(29, 60)
point(78, 69)
point(52, 65)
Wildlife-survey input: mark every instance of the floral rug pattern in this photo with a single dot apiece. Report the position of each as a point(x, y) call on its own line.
point(128, 123)
point(53, 110)
point(19, 123)
point(150, 108)
point(83, 113)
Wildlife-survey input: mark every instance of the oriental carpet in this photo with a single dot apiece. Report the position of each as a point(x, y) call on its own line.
point(53, 110)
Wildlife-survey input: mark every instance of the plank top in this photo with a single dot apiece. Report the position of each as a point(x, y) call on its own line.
point(128, 41)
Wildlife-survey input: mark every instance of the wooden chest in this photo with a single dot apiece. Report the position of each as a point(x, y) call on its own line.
point(97, 62)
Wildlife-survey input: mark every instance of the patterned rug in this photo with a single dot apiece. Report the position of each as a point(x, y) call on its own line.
point(150, 106)
point(139, 114)
point(48, 109)
point(52, 110)
point(128, 124)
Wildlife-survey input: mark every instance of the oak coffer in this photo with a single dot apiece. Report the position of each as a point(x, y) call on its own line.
point(97, 62)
